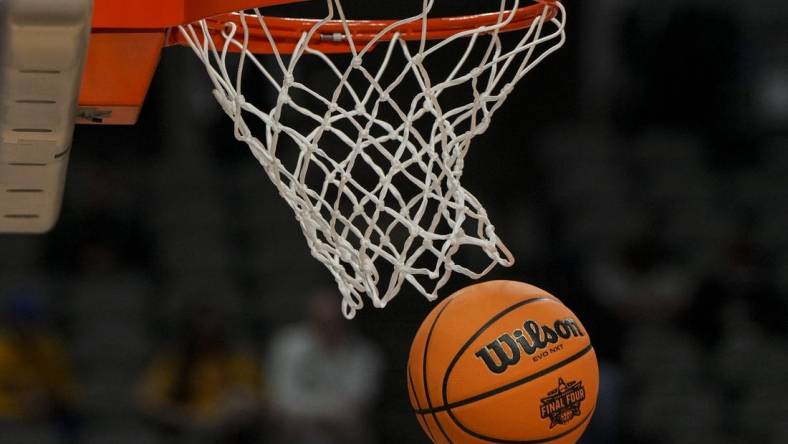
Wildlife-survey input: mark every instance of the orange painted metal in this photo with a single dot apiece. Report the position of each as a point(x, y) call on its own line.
point(118, 72)
point(160, 14)
point(125, 46)
point(129, 35)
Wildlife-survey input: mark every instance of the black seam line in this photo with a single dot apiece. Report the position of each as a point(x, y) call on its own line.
point(412, 386)
point(561, 435)
point(24, 190)
point(21, 216)
point(476, 335)
point(418, 404)
point(530, 441)
point(509, 386)
point(424, 368)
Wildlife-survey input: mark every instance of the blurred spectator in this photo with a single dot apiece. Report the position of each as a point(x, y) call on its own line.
point(323, 378)
point(203, 389)
point(662, 42)
point(104, 232)
point(645, 283)
point(36, 384)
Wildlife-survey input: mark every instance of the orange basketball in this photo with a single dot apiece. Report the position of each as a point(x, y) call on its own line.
point(502, 362)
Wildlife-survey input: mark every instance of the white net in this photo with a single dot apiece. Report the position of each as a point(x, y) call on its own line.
point(370, 154)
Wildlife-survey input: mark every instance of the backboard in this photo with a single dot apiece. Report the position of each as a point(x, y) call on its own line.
point(42, 50)
point(73, 61)
point(55, 72)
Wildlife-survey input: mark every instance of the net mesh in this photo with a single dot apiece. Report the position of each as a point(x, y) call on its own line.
point(370, 154)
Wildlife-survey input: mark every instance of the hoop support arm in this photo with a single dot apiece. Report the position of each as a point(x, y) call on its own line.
point(162, 14)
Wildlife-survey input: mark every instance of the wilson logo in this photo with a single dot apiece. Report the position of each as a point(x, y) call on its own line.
point(507, 350)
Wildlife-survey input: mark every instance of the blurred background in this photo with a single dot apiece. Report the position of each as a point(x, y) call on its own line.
point(640, 174)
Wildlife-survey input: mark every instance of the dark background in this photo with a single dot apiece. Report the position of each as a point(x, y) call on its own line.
point(640, 174)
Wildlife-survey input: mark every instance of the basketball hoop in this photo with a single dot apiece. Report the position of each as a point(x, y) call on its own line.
point(330, 35)
point(370, 157)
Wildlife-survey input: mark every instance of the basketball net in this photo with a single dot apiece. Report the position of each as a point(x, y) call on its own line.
point(372, 163)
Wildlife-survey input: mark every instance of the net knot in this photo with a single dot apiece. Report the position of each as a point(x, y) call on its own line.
point(284, 96)
point(357, 62)
point(238, 101)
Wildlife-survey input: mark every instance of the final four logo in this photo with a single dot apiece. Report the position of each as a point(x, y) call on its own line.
point(563, 403)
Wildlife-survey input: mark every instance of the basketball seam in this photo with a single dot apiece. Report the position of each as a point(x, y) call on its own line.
point(424, 369)
point(447, 406)
point(412, 388)
point(511, 385)
point(533, 441)
point(476, 335)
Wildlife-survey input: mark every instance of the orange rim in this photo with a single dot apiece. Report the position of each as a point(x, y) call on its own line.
point(330, 36)
point(128, 37)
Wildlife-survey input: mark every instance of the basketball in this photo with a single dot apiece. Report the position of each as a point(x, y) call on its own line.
point(502, 361)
